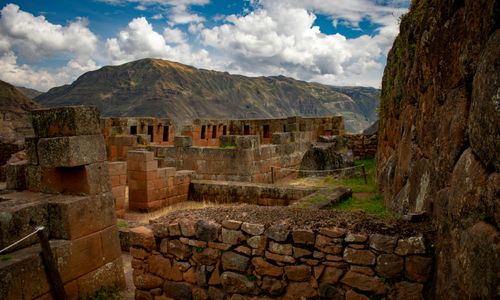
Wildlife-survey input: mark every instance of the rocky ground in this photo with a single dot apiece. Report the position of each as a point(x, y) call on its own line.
point(302, 218)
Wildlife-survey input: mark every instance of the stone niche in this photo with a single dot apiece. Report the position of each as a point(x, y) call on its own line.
point(69, 193)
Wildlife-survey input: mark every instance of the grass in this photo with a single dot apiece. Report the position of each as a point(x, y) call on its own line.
point(373, 205)
point(104, 293)
point(357, 184)
point(121, 223)
point(6, 257)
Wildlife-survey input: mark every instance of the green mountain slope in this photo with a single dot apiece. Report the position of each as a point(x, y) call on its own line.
point(160, 88)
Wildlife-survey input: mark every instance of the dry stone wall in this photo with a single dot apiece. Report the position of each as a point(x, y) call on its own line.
point(363, 146)
point(118, 178)
point(200, 259)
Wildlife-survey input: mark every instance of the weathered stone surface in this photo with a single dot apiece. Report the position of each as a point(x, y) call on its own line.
point(407, 290)
point(328, 244)
point(190, 276)
point(243, 250)
point(215, 276)
point(71, 151)
point(300, 290)
point(279, 233)
point(257, 242)
point(201, 276)
point(216, 294)
point(231, 224)
point(383, 243)
point(178, 249)
point(263, 267)
point(146, 281)
point(66, 121)
point(352, 295)
point(232, 237)
point(333, 232)
point(303, 237)
point(331, 275)
point(207, 256)
point(363, 270)
point(234, 261)
point(326, 290)
point(142, 295)
point(355, 237)
point(283, 249)
point(418, 268)
point(389, 265)
point(300, 252)
point(177, 290)
point(273, 286)
point(280, 258)
point(253, 229)
point(160, 266)
point(199, 293)
point(298, 273)
point(207, 231)
point(183, 141)
point(174, 229)
point(236, 283)
point(363, 282)
point(359, 257)
point(412, 245)
point(142, 237)
point(188, 227)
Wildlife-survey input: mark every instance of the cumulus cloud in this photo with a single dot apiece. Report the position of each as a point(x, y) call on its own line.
point(139, 40)
point(279, 37)
point(41, 79)
point(36, 37)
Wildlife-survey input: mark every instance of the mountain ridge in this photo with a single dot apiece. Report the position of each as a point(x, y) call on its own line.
point(161, 88)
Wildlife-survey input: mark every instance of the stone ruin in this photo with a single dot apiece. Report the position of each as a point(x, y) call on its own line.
point(64, 186)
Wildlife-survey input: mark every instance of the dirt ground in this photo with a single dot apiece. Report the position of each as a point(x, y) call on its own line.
point(302, 218)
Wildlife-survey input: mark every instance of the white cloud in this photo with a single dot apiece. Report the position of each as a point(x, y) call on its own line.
point(279, 37)
point(41, 79)
point(36, 37)
point(157, 17)
point(140, 40)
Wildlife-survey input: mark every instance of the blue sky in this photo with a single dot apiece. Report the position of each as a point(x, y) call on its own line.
point(49, 43)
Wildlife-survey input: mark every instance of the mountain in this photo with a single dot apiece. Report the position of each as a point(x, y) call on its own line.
point(30, 93)
point(160, 88)
point(15, 121)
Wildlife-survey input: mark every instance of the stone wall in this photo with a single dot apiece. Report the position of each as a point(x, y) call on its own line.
point(245, 160)
point(69, 193)
point(151, 187)
point(363, 146)
point(439, 146)
point(6, 151)
point(200, 259)
point(118, 179)
point(241, 192)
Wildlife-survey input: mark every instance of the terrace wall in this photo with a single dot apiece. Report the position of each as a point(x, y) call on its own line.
point(201, 259)
point(363, 146)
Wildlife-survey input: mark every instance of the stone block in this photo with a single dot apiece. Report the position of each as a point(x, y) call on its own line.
point(16, 175)
point(280, 138)
point(73, 217)
point(31, 149)
point(71, 151)
point(207, 231)
point(411, 245)
point(18, 212)
point(142, 237)
point(253, 229)
point(247, 141)
point(359, 257)
point(363, 282)
point(303, 237)
point(383, 243)
point(298, 273)
point(236, 283)
point(183, 141)
point(234, 261)
point(389, 265)
point(108, 275)
point(66, 121)
point(140, 155)
point(264, 268)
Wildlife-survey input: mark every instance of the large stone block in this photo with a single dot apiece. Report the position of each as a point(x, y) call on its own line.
point(72, 217)
point(281, 138)
point(66, 121)
point(20, 212)
point(16, 175)
point(71, 151)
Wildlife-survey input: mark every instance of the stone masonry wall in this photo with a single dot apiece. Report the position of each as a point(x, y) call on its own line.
point(118, 178)
point(363, 146)
point(69, 193)
point(199, 259)
point(151, 187)
point(243, 192)
point(246, 160)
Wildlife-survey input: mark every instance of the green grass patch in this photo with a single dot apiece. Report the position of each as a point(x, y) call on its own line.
point(121, 223)
point(5, 257)
point(357, 183)
point(373, 205)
